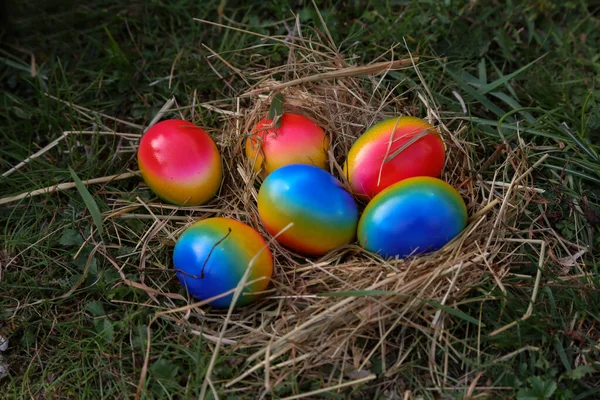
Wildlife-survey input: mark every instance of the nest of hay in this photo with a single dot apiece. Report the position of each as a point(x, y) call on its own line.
point(347, 310)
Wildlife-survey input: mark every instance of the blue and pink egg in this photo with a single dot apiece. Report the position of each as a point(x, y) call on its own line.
point(212, 255)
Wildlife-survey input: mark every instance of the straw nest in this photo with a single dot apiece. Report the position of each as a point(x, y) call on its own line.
point(348, 310)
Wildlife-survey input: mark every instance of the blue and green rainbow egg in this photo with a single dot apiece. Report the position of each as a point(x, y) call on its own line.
point(212, 255)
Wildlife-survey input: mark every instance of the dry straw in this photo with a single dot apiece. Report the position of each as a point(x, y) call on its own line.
point(343, 311)
point(349, 308)
point(340, 312)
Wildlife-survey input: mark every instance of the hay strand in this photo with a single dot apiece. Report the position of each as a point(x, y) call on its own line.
point(67, 186)
point(347, 72)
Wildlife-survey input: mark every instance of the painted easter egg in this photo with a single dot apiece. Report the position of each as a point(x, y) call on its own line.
point(298, 140)
point(324, 213)
point(415, 215)
point(180, 162)
point(393, 150)
point(212, 255)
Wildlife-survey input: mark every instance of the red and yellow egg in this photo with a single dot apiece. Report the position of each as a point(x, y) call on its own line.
point(393, 150)
point(298, 140)
point(180, 162)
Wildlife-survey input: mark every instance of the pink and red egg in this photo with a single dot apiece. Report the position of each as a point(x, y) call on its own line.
point(393, 150)
point(298, 140)
point(414, 216)
point(212, 255)
point(180, 162)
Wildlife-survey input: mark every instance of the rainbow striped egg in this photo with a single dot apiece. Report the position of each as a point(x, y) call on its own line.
point(298, 140)
point(180, 162)
point(212, 255)
point(324, 213)
point(416, 215)
point(393, 150)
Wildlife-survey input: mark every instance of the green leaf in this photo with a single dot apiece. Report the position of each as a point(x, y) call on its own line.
point(512, 127)
point(125, 251)
point(527, 394)
point(564, 170)
point(548, 291)
point(89, 201)
point(70, 237)
point(530, 29)
point(543, 388)
point(140, 336)
point(28, 339)
point(540, 389)
point(542, 363)
point(95, 308)
point(163, 369)
point(500, 74)
point(105, 329)
point(579, 372)
point(19, 112)
point(19, 66)
point(276, 109)
point(589, 394)
point(110, 276)
point(82, 257)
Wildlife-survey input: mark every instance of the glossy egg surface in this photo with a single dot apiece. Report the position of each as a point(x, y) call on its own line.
point(299, 140)
point(393, 150)
point(180, 162)
point(212, 255)
point(324, 213)
point(416, 215)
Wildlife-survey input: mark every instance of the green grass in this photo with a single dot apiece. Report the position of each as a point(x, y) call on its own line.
point(523, 70)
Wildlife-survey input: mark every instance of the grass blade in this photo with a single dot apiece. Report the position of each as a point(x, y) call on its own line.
point(560, 350)
point(588, 150)
point(514, 104)
point(482, 72)
point(471, 79)
point(454, 311)
point(588, 394)
point(89, 201)
point(572, 172)
point(115, 48)
point(581, 163)
point(504, 79)
point(474, 93)
point(489, 122)
point(585, 105)
point(500, 74)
